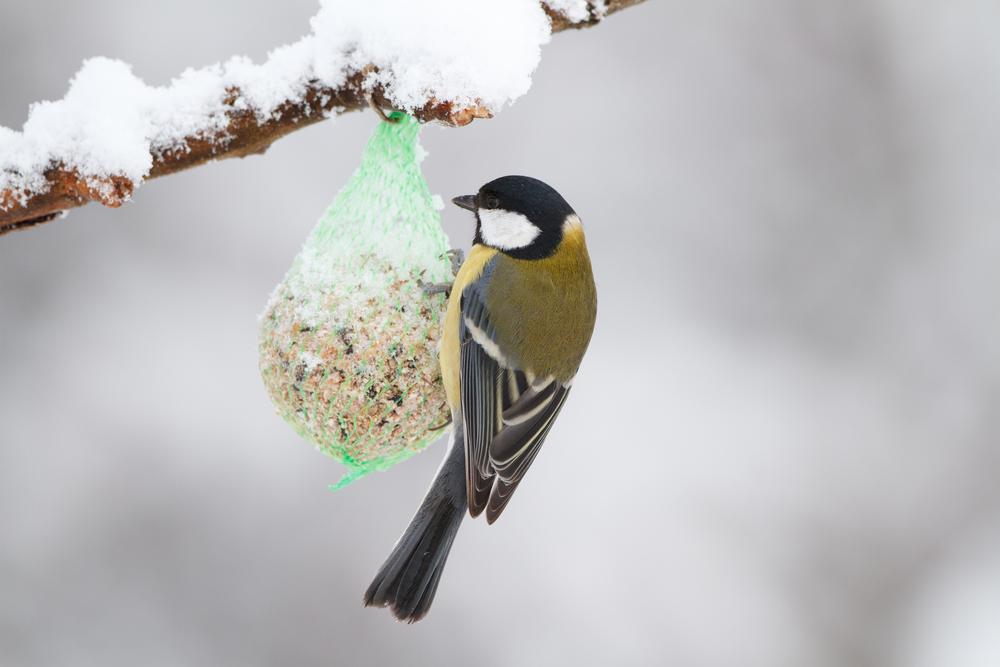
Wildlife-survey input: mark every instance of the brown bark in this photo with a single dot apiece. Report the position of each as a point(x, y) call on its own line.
point(244, 135)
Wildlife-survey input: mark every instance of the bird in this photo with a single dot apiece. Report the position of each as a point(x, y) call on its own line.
point(520, 317)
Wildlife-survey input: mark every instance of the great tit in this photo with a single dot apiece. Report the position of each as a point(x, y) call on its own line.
point(520, 318)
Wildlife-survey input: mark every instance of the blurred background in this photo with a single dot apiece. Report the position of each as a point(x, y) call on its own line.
point(783, 448)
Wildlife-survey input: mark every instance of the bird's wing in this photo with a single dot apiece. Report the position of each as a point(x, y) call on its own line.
point(507, 414)
point(489, 386)
point(524, 427)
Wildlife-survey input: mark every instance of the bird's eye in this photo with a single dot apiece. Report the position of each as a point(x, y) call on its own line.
point(491, 202)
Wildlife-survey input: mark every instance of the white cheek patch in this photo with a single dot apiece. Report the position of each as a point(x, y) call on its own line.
point(506, 230)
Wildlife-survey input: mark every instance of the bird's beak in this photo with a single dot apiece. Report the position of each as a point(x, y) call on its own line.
point(468, 202)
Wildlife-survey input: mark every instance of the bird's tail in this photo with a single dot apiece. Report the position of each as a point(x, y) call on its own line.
point(409, 577)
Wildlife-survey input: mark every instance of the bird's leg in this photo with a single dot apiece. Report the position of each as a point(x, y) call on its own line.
point(430, 289)
point(457, 258)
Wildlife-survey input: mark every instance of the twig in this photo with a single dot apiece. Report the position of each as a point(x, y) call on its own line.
point(244, 134)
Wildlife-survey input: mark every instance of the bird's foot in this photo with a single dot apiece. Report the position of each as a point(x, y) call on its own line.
point(457, 256)
point(442, 426)
point(430, 289)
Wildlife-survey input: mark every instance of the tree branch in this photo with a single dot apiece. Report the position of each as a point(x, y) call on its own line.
point(244, 133)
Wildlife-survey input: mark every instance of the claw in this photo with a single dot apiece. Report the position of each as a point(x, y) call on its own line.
point(430, 289)
point(457, 256)
point(442, 426)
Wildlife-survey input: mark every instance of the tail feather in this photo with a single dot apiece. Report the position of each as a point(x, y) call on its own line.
point(408, 580)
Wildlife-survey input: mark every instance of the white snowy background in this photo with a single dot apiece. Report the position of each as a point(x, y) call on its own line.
point(783, 448)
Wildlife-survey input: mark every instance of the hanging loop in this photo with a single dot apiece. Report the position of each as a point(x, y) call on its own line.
point(368, 93)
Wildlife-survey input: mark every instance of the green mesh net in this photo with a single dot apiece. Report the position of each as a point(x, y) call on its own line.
point(348, 344)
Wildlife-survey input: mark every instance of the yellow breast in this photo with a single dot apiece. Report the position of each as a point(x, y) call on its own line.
point(470, 272)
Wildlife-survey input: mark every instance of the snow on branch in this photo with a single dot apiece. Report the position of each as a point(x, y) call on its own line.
point(449, 61)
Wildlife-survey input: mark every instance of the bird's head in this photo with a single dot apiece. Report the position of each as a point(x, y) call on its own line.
point(519, 216)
